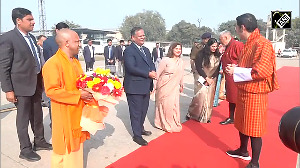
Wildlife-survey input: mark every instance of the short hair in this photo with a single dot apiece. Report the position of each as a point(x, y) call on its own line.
point(19, 13)
point(225, 32)
point(248, 20)
point(61, 25)
point(108, 40)
point(157, 43)
point(40, 36)
point(172, 46)
point(134, 30)
point(122, 41)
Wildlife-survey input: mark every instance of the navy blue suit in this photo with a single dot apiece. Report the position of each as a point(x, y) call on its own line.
point(49, 47)
point(137, 85)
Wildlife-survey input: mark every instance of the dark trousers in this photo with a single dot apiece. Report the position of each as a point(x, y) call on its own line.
point(89, 66)
point(138, 107)
point(29, 109)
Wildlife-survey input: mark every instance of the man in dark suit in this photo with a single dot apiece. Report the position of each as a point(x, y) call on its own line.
point(120, 61)
point(157, 52)
point(109, 53)
point(138, 82)
point(49, 46)
point(89, 56)
point(21, 80)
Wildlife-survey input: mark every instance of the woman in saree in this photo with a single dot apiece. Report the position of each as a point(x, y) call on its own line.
point(169, 85)
point(208, 65)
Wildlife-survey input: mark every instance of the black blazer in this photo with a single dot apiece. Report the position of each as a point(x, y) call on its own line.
point(137, 68)
point(119, 53)
point(87, 54)
point(155, 55)
point(106, 54)
point(17, 65)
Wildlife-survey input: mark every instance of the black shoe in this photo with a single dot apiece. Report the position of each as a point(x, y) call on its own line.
point(251, 165)
point(227, 121)
point(30, 156)
point(146, 133)
point(187, 117)
point(140, 141)
point(238, 154)
point(42, 146)
point(208, 121)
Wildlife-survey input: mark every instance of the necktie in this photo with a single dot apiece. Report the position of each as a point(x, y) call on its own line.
point(142, 50)
point(110, 52)
point(38, 66)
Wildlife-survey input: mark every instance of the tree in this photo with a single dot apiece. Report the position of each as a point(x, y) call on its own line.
point(229, 26)
point(293, 35)
point(186, 32)
point(152, 23)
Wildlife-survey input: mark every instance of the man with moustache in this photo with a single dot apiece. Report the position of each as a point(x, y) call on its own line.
point(138, 82)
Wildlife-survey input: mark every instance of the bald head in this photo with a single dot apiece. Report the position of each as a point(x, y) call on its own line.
point(68, 41)
point(225, 37)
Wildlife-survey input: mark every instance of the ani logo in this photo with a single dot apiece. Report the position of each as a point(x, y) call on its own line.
point(281, 19)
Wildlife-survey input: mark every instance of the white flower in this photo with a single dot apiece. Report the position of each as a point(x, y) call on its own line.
point(110, 86)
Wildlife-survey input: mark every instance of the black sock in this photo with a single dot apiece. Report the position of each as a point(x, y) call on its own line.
point(231, 110)
point(256, 143)
point(244, 142)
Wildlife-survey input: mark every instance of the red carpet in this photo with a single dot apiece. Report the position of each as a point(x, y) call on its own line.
point(203, 145)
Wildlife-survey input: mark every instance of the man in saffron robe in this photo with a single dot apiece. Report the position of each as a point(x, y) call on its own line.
point(60, 74)
point(255, 77)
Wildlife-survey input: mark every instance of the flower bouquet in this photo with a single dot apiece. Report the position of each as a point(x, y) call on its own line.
point(106, 90)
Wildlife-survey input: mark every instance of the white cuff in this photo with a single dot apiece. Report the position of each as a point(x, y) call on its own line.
point(201, 80)
point(242, 74)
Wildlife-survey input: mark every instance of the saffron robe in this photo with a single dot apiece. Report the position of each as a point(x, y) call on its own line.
point(60, 75)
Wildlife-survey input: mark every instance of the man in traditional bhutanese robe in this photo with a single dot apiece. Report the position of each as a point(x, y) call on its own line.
point(60, 73)
point(255, 77)
point(230, 56)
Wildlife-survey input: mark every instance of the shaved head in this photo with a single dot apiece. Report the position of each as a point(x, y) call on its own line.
point(68, 41)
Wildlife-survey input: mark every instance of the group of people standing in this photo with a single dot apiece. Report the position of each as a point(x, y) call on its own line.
point(250, 74)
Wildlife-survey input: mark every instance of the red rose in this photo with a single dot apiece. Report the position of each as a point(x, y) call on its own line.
point(105, 90)
point(117, 92)
point(88, 79)
point(103, 80)
point(80, 84)
point(97, 87)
